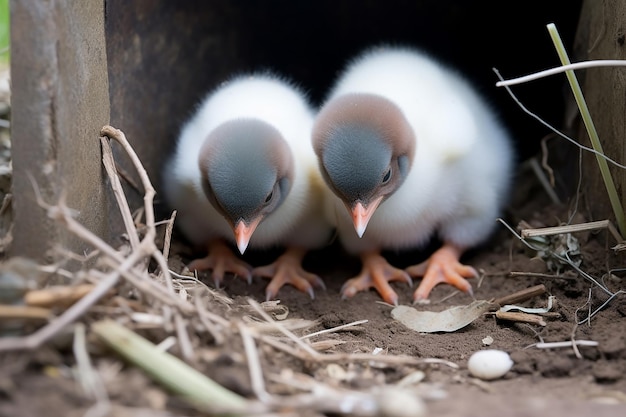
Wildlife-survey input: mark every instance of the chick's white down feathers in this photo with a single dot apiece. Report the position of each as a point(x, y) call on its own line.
point(461, 170)
point(279, 103)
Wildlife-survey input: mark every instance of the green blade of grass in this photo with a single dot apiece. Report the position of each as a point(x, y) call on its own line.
point(591, 131)
point(167, 369)
point(5, 34)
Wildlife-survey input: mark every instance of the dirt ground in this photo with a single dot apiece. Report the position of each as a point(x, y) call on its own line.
point(553, 381)
point(558, 381)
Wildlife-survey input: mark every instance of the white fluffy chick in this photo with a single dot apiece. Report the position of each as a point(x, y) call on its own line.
point(409, 149)
point(244, 172)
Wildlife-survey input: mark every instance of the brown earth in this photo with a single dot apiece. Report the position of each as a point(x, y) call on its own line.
point(559, 381)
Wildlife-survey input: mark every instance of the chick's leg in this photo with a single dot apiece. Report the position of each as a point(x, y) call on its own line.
point(442, 266)
point(287, 269)
point(219, 261)
point(378, 273)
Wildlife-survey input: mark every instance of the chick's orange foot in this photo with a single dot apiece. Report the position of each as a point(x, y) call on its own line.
point(221, 260)
point(376, 273)
point(287, 269)
point(443, 266)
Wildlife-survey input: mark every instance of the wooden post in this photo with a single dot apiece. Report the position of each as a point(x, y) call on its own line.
point(60, 100)
point(602, 35)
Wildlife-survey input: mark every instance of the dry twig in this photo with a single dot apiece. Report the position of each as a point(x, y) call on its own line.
point(520, 296)
point(520, 317)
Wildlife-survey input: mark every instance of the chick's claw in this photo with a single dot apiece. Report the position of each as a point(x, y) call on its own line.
point(443, 266)
point(364, 282)
point(287, 269)
point(221, 260)
point(376, 273)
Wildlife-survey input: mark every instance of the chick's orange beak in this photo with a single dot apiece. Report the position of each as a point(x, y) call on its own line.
point(361, 215)
point(243, 233)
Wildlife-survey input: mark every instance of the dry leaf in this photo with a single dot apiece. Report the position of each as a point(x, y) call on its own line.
point(448, 320)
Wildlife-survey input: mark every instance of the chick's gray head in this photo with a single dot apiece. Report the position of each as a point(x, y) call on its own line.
point(247, 171)
point(365, 147)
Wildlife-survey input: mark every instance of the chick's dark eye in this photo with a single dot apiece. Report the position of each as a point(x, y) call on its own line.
point(269, 197)
point(387, 176)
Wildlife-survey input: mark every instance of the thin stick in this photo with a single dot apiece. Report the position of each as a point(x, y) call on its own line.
point(601, 307)
point(545, 183)
point(555, 130)
point(184, 342)
point(520, 296)
point(567, 67)
point(57, 295)
point(183, 335)
point(312, 352)
point(162, 263)
point(520, 317)
point(583, 273)
point(9, 312)
point(537, 310)
point(181, 329)
point(552, 345)
point(334, 329)
point(254, 364)
point(63, 215)
point(570, 228)
point(573, 340)
point(168, 235)
point(544, 160)
point(118, 191)
point(541, 275)
point(6, 203)
point(119, 136)
point(90, 380)
point(126, 177)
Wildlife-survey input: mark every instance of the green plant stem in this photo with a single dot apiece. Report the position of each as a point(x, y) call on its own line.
point(168, 370)
point(591, 130)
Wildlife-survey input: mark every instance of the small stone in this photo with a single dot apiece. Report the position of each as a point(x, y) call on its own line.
point(489, 364)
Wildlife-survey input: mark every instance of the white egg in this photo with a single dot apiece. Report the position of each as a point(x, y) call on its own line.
point(489, 364)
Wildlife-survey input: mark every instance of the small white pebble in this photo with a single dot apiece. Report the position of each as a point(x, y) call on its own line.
point(487, 340)
point(489, 364)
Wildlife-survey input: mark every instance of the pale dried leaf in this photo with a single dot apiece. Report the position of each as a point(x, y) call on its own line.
point(448, 320)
